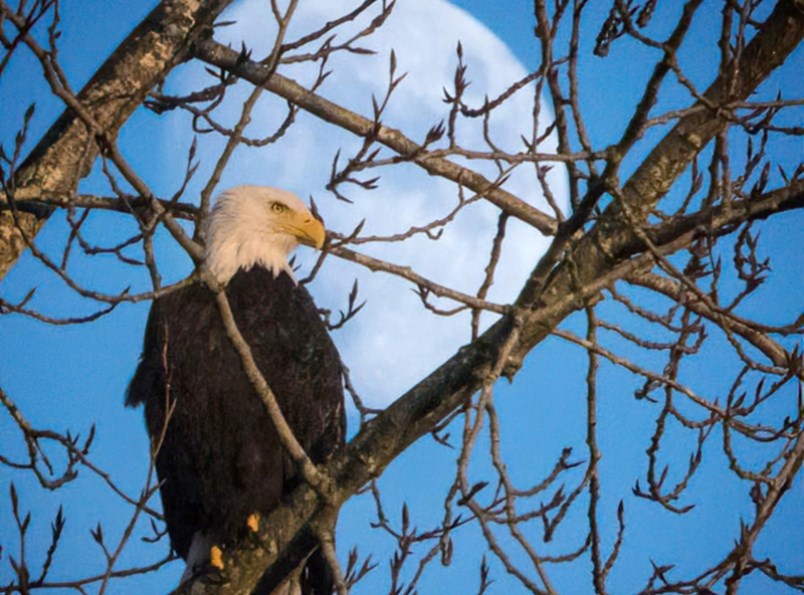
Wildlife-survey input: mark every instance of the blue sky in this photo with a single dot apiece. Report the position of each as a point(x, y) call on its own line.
point(73, 376)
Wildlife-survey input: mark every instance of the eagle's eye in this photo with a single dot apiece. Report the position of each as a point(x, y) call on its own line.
point(278, 207)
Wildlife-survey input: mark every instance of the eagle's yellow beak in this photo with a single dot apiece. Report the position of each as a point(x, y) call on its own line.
point(308, 229)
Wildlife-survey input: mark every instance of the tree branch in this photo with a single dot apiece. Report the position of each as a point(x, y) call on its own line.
point(66, 152)
point(218, 55)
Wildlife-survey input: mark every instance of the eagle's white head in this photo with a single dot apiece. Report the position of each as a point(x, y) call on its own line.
point(258, 225)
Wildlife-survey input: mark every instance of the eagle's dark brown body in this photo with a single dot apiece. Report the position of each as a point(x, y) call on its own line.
point(220, 459)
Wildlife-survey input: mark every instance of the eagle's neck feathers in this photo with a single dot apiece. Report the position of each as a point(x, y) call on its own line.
point(229, 254)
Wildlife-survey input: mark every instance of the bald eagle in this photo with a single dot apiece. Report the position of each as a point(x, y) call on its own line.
point(218, 456)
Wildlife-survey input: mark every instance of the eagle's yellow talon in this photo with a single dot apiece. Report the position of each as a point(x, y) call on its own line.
point(216, 557)
point(253, 522)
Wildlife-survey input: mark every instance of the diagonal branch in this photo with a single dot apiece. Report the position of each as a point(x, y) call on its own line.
point(66, 152)
point(703, 305)
point(671, 156)
point(219, 55)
